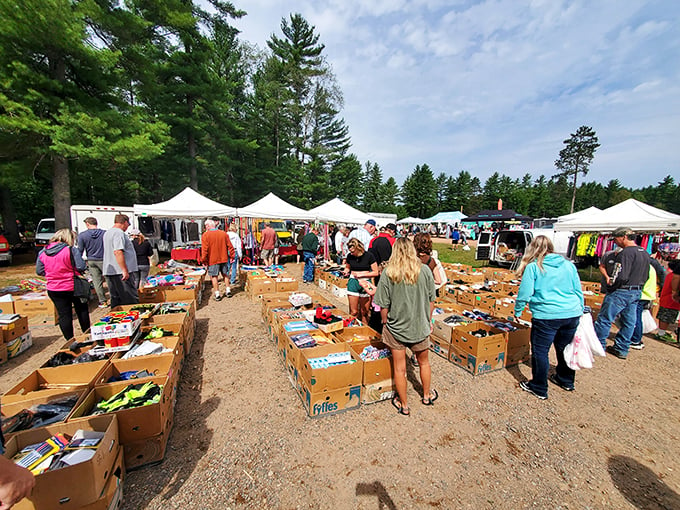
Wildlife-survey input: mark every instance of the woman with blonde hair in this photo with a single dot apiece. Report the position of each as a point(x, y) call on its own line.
point(406, 297)
point(59, 262)
point(361, 267)
point(552, 289)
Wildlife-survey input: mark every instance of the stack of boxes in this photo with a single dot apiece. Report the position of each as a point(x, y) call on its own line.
point(191, 288)
point(261, 282)
point(15, 336)
point(133, 437)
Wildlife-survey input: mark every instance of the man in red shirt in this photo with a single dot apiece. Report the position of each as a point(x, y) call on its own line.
point(268, 243)
point(216, 252)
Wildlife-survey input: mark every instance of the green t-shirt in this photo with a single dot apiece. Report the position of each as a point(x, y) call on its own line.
point(408, 318)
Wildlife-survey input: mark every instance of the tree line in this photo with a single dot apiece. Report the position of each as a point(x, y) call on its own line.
point(106, 102)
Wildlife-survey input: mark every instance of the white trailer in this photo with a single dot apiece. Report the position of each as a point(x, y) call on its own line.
point(103, 213)
point(507, 246)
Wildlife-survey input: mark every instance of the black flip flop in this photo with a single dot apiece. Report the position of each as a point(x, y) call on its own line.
point(430, 401)
point(400, 409)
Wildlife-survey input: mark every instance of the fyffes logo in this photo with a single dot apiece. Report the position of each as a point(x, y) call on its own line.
point(324, 407)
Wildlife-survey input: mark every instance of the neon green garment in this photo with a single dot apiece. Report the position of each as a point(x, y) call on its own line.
point(649, 290)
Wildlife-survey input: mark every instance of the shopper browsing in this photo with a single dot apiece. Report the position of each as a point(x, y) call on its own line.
point(552, 289)
point(120, 263)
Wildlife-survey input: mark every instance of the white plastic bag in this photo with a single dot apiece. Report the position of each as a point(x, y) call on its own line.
point(578, 354)
point(648, 322)
point(586, 331)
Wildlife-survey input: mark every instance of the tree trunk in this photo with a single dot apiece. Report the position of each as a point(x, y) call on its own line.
point(8, 215)
point(573, 195)
point(191, 141)
point(61, 189)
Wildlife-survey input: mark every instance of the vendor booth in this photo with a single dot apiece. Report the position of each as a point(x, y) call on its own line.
point(337, 211)
point(175, 223)
point(656, 228)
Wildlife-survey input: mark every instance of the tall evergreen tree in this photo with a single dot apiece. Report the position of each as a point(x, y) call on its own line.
point(62, 76)
point(577, 156)
point(372, 183)
point(419, 192)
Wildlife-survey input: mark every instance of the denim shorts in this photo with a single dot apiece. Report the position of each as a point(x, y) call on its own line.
point(216, 269)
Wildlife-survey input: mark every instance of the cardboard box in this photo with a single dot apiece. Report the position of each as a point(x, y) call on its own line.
point(7, 307)
point(377, 392)
point(517, 355)
point(3, 353)
point(137, 423)
point(374, 371)
point(161, 365)
point(19, 345)
point(331, 378)
point(173, 346)
point(115, 330)
point(181, 292)
point(14, 329)
point(75, 486)
point(358, 334)
point(476, 365)
point(440, 347)
point(329, 402)
point(34, 307)
point(112, 496)
point(53, 381)
point(339, 292)
point(256, 288)
point(479, 347)
point(151, 295)
point(293, 354)
point(333, 326)
point(11, 408)
point(443, 330)
point(150, 450)
point(287, 285)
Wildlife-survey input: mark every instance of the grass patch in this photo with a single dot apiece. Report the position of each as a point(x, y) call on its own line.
point(457, 256)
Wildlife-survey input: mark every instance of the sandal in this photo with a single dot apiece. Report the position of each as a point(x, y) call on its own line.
point(400, 409)
point(430, 401)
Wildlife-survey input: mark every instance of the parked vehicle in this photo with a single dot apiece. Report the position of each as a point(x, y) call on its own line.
point(5, 250)
point(506, 247)
point(43, 233)
point(104, 214)
point(279, 226)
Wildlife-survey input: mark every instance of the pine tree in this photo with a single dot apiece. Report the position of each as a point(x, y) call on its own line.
point(577, 156)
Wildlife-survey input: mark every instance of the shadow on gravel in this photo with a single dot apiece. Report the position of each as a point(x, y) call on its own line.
point(640, 486)
point(515, 371)
point(378, 490)
point(190, 437)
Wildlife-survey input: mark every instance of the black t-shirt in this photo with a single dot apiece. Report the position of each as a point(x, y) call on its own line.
point(631, 267)
point(143, 251)
point(381, 249)
point(362, 263)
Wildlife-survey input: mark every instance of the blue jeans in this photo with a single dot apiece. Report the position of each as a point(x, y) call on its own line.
point(308, 275)
point(636, 337)
point(544, 333)
point(233, 270)
point(621, 302)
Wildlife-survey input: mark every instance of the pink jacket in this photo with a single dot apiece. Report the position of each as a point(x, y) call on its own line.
point(54, 262)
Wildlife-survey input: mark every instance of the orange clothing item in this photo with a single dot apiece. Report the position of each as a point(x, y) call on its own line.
point(216, 248)
point(268, 238)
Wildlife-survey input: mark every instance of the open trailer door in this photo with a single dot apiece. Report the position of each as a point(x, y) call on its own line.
point(483, 251)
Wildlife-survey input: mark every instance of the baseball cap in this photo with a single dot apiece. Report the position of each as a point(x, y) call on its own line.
point(133, 232)
point(391, 226)
point(370, 222)
point(622, 232)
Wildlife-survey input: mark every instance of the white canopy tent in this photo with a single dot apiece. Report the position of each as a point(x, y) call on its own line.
point(271, 206)
point(636, 215)
point(585, 213)
point(411, 219)
point(187, 204)
point(450, 218)
point(337, 211)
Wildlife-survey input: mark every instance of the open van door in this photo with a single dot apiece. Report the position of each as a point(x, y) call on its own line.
point(483, 251)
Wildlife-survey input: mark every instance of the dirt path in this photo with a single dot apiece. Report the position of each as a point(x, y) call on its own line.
point(241, 438)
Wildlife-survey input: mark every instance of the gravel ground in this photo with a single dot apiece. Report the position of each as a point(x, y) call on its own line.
point(241, 438)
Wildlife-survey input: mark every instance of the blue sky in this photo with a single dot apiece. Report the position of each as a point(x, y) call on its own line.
point(498, 85)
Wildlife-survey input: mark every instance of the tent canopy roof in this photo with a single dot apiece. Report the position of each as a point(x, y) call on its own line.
point(337, 211)
point(411, 219)
point(446, 217)
point(186, 204)
point(497, 215)
point(271, 206)
point(580, 214)
point(630, 213)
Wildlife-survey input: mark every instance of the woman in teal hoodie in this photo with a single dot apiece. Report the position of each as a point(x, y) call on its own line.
point(552, 289)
